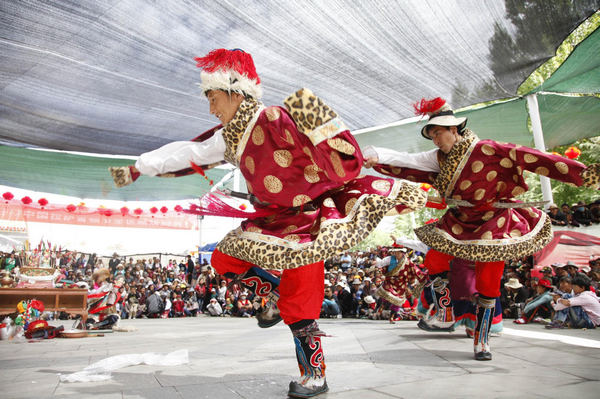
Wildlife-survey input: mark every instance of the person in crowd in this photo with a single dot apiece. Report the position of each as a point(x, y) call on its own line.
point(113, 262)
point(296, 179)
point(581, 310)
point(244, 306)
point(190, 269)
point(178, 305)
point(488, 224)
point(345, 261)
point(344, 297)
point(154, 304)
point(566, 210)
point(133, 303)
point(213, 308)
point(330, 307)
point(581, 214)
point(513, 300)
point(538, 308)
point(556, 216)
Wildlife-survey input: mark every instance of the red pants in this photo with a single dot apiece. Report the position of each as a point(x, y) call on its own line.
point(487, 274)
point(301, 290)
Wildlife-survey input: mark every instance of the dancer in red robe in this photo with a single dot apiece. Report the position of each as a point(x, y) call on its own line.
point(302, 169)
point(487, 224)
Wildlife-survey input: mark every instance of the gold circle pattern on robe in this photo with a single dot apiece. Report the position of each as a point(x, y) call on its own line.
point(282, 158)
point(272, 184)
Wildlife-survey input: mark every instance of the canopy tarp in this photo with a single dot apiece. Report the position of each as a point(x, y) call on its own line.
point(88, 177)
point(118, 76)
point(569, 246)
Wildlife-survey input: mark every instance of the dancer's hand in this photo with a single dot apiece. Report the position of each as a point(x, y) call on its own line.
point(371, 161)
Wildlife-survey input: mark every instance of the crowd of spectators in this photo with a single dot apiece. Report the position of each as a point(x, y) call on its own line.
point(183, 287)
point(576, 215)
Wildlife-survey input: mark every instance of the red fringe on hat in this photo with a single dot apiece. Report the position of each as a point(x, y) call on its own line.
point(212, 205)
point(427, 107)
point(223, 59)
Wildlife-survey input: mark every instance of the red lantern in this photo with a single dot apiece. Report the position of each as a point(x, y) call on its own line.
point(425, 186)
point(26, 200)
point(43, 201)
point(243, 207)
point(138, 211)
point(178, 208)
point(153, 209)
point(124, 211)
point(71, 208)
point(164, 209)
point(572, 152)
point(8, 196)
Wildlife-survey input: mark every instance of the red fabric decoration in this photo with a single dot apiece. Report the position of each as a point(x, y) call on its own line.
point(197, 168)
point(425, 186)
point(71, 208)
point(178, 208)
point(153, 209)
point(138, 211)
point(26, 200)
point(573, 152)
point(431, 221)
point(436, 205)
point(427, 107)
point(105, 212)
point(43, 201)
point(39, 305)
point(164, 209)
point(8, 196)
point(124, 211)
point(212, 205)
point(223, 59)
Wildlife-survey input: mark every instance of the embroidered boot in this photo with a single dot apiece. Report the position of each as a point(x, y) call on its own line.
point(311, 362)
point(442, 318)
point(485, 314)
point(264, 286)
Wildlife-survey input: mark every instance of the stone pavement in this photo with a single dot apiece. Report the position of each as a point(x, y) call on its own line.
point(232, 358)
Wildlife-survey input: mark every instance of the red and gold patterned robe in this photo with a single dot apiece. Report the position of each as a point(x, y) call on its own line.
point(482, 177)
point(303, 165)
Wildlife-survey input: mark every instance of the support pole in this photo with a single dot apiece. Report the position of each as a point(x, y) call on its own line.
point(538, 140)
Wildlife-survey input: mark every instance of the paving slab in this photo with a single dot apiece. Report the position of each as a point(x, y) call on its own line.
point(233, 358)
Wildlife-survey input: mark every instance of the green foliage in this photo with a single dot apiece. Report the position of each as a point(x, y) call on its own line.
point(547, 69)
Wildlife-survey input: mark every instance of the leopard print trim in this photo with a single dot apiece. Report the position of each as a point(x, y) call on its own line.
point(445, 180)
point(335, 237)
point(409, 194)
point(309, 112)
point(233, 133)
point(394, 300)
point(488, 250)
point(591, 176)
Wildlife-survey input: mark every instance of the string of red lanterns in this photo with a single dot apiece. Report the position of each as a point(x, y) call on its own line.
point(102, 210)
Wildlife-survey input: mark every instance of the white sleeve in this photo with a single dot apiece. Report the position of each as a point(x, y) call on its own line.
point(425, 161)
point(417, 245)
point(178, 155)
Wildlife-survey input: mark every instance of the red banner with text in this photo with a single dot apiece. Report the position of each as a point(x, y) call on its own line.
point(14, 211)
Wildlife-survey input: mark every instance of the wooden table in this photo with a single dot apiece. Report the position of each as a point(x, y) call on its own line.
point(70, 300)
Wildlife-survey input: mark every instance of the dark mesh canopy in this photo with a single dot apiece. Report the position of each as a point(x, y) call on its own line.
point(118, 76)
